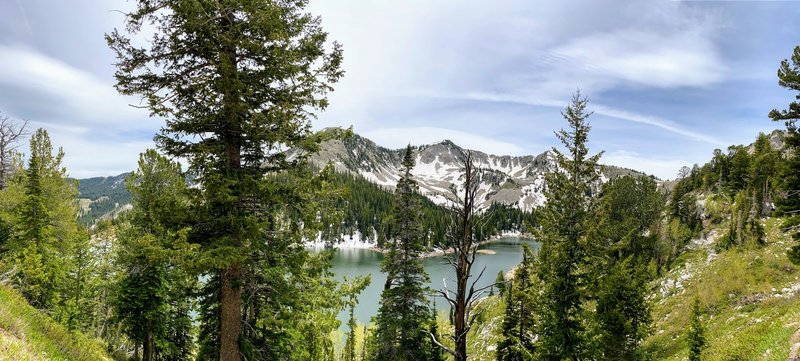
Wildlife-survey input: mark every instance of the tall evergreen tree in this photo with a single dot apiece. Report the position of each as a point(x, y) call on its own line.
point(789, 204)
point(352, 289)
point(46, 229)
point(153, 291)
point(622, 312)
point(763, 174)
point(403, 318)
point(517, 343)
point(237, 82)
point(563, 223)
point(623, 242)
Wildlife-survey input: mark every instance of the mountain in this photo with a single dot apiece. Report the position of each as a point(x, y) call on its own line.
point(100, 197)
point(510, 180)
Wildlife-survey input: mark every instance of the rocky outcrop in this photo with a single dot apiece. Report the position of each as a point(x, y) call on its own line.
point(794, 351)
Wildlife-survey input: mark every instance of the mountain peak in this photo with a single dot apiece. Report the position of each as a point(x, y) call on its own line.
point(511, 180)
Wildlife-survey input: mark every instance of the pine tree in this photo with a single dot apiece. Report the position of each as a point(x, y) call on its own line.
point(352, 289)
point(562, 227)
point(696, 333)
point(46, 229)
point(622, 311)
point(763, 174)
point(403, 318)
point(624, 241)
point(153, 288)
point(789, 204)
point(237, 82)
point(517, 343)
point(500, 283)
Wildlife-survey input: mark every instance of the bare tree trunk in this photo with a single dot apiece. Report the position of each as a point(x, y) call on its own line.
point(230, 314)
point(462, 242)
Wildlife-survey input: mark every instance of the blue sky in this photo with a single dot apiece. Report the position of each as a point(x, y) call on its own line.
point(668, 81)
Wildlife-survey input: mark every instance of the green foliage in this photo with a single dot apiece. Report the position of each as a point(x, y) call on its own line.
point(152, 298)
point(696, 334)
point(500, 283)
point(351, 289)
point(563, 221)
point(744, 226)
point(628, 212)
point(624, 241)
point(623, 312)
point(789, 204)
point(45, 229)
point(106, 194)
point(367, 208)
point(403, 319)
point(238, 83)
point(789, 77)
point(744, 318)
point(517, 343)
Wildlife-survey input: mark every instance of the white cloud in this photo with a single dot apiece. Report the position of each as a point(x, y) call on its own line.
point(82, 97)
point(86, 155)
point(99, 132)
point(399, 137)
point(681, 59)
point(661, 168)
point(657, 122)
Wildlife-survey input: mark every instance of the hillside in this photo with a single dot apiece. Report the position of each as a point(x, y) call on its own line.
point(751, 298)
point(101, 196)
point(27, 334)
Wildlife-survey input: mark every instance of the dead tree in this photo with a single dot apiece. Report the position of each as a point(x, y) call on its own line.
point(11, 133)
point(463, 246)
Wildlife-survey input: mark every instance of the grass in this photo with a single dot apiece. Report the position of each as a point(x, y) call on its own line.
point(747, 317)
point(27, 334)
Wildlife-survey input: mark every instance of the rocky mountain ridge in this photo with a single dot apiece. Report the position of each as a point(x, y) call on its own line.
point(511, 180)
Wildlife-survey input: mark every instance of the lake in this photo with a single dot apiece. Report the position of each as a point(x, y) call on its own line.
point(352, 262)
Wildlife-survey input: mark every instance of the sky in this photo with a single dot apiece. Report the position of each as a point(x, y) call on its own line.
point(668, 81)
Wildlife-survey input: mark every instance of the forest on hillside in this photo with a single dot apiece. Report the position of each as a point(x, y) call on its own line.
point(218, 269)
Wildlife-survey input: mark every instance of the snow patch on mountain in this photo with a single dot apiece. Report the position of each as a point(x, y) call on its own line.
point(511, 180)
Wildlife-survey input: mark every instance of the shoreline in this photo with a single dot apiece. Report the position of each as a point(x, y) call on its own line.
point(444, 252)
point(372, 246)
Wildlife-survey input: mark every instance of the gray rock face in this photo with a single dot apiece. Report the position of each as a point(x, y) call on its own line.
point(511, 180)
point(794, 351)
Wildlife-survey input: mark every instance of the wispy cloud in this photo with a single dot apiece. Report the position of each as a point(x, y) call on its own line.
point(98, 131)
point(77, 95)
point(665, 68)
point(654, 121)
point(684, 58)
